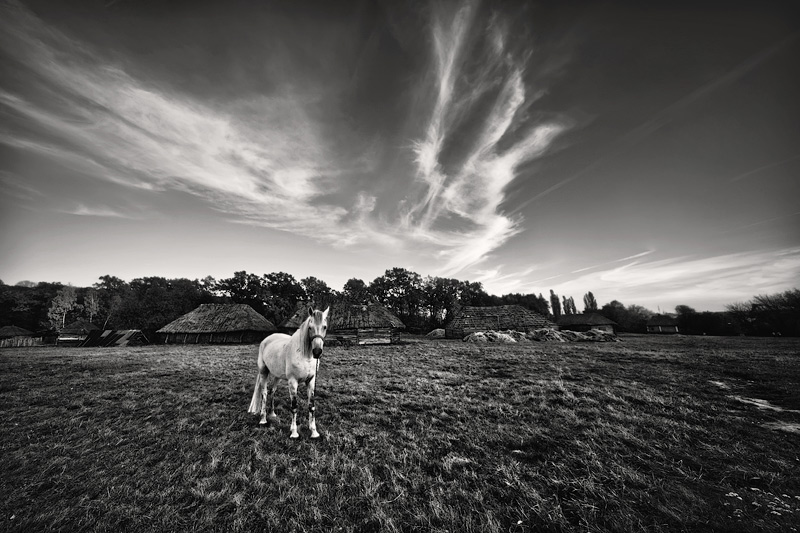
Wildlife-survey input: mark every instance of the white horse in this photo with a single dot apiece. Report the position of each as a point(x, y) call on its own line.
point(292, 359)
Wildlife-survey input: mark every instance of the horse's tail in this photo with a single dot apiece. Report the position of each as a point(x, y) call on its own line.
point(255, 403)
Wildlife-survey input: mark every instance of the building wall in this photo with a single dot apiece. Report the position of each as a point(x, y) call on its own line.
point(662, 329)
point(16, 342)
point(231, 337)
point(364, 336)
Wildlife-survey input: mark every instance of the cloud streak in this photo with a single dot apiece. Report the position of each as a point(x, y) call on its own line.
point(472, 189)
point(708, 282)
point(113, 127)
point(266, 161)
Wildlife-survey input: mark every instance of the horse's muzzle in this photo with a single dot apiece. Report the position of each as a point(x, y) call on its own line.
point(316, 345)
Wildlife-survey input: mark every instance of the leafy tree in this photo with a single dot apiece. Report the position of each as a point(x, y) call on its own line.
point(589, 302)
point(356, 291)
point(111, 291)
point(244, 288)
point(637, 317)
point(209, 285)
point(614, 310)
point(555, 304)
point(768, 314)
point(631, 319)
point(317, 291)
point(65, 301)
point(283, 295)
point(400, 290)
point(91, 303)
point(533, 302)
point(472, 293)
point(440, 298)
point(687, 319)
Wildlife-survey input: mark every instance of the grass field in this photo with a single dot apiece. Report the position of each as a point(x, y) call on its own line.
point(649, 434)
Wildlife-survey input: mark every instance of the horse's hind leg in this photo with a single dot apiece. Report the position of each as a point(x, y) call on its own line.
point(312, 421)
point(293, 397)
point(268, 398)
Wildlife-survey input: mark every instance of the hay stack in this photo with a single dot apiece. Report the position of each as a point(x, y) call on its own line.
point(490, 336)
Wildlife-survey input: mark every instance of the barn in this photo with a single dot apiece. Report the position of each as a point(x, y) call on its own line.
point(470, 319)
point(350, 323)
point(586, 322)
point(217, 324)
point(662, 324)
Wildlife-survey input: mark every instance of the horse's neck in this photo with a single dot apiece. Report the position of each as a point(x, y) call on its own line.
point(298, 344)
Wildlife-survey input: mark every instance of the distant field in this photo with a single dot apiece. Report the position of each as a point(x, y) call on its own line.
point(649, 434)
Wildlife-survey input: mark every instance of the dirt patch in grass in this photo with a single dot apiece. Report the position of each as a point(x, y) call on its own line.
point(429, 435)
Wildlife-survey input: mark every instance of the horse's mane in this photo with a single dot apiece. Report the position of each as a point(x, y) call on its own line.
point(298, 339)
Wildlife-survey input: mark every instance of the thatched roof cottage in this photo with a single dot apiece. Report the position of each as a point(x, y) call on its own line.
point(470, 319)
point(15, 336)
point(217, 324)
point(586, 322)
point(350, 323)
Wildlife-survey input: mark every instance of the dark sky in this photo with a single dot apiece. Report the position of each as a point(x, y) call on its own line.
point(647, 152)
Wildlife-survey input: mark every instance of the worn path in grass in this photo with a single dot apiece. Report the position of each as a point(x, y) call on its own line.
point(428, 436)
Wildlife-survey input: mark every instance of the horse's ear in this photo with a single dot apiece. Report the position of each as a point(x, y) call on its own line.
point(310, 311)
point(325, 312)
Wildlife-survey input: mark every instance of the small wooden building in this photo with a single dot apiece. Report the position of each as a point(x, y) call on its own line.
point(350, 323)
point(587, 321)
point(470, 319)
point(662, 324)
point(75, 333)
point(15, 336)
point(217, 324)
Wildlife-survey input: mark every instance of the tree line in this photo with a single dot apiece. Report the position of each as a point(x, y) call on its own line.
point(422, 303)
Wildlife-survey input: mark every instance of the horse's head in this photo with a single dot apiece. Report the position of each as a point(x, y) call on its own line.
point(317, 329)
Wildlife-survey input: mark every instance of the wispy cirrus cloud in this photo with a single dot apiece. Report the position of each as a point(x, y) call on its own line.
point(96, 211)
point(471, 189)
point(265, 160)
point(262, 161)
point(710, 282)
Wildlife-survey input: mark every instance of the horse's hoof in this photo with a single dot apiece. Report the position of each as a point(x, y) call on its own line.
point(294, 436)
point(263, 422)
point(315, 435)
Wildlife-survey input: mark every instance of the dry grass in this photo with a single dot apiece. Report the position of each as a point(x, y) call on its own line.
point(432, 435)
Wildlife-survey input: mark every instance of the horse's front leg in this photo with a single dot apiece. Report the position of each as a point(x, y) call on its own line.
point(312, 421)
point(293, 397)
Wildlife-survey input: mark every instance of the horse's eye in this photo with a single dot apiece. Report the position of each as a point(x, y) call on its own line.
point(324, 328)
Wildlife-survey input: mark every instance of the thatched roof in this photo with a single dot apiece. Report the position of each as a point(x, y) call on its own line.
point(14, 331)
point(219, 318)
point(662, 320)
point(585, 319)
point(498, 318)
point(79, 327)
point(345, 315)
